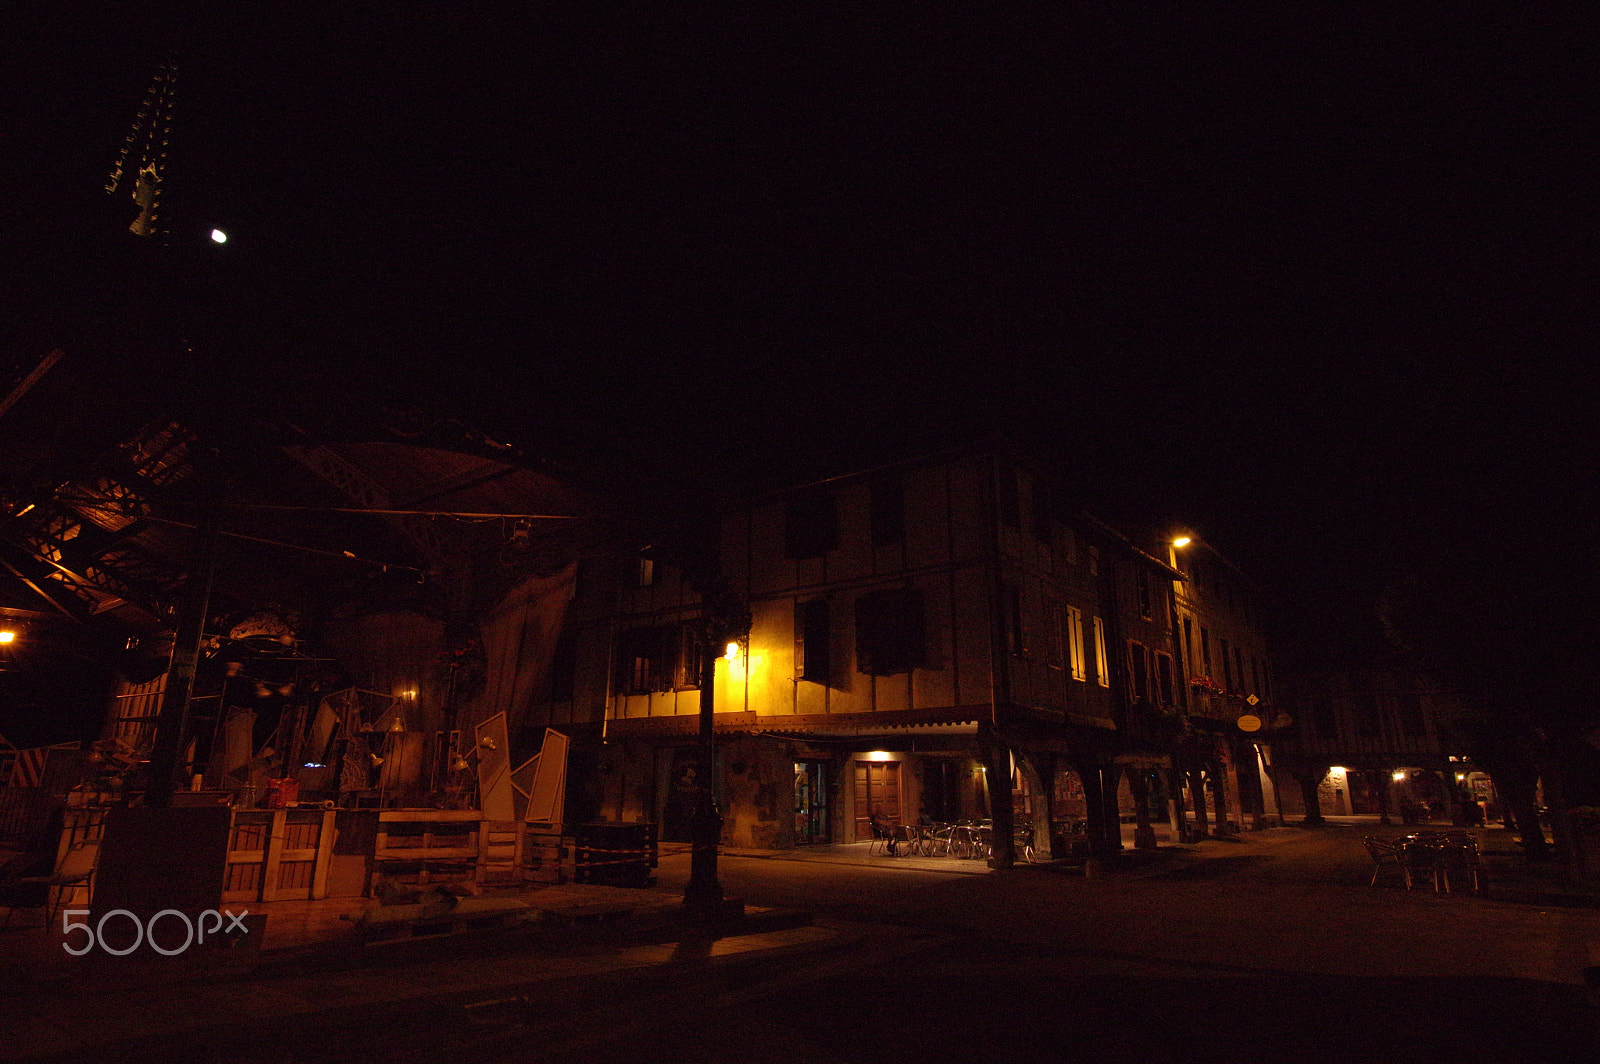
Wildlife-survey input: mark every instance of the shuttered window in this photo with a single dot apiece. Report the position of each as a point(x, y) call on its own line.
point(1139, 663)
point(1074, 633)
point(890, 634)
point(810, 527)
point(1102, 667)
point(812, 634)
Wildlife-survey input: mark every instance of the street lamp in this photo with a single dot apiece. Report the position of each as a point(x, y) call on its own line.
point(726, 625)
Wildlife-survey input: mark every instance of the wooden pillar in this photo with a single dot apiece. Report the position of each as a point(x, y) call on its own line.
point(1176, 807)
point(1311, 791)
point(1144, 835)
point(1094, 807)
point(997, 756)
point(1111, 787)
point(1219, 794)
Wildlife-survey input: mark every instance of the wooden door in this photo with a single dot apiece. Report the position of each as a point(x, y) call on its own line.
point(877, 791)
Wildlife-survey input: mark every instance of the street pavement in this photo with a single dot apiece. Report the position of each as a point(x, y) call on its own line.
point(1246, 949)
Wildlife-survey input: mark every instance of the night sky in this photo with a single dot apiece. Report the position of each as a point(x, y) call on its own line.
point(1317, 281)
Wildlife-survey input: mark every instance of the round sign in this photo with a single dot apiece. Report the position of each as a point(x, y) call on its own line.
point(1249, 722)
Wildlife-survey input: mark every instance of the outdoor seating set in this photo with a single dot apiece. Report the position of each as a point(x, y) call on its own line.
point(1436, 854)
point(962, 840)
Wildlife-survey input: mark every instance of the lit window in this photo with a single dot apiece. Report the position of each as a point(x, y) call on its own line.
point(1075, 642)
point(1102, 667)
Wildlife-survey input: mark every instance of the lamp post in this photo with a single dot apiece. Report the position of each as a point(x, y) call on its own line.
point(724, 620)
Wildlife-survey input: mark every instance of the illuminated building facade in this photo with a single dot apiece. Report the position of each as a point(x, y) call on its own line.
point(1231, 705)
point(918, 632)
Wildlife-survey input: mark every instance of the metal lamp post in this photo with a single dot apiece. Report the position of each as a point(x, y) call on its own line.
point(725, 619)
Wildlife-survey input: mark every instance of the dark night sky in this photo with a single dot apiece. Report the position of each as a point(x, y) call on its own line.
point(1318, 280)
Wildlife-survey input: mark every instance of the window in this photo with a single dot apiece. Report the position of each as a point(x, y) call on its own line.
point(888, 511)
point(1139, 663)
point(810, 527)
point(1164, 690)
point(661, 658)
point(1205, 649)
point(1186, 651)
point(688, 642)
point(643, 662)
point(1143, 584)
point(889, 632)
point(1016, 622)
point(1074, 618)
point(811, 640)
point(1102, 667)
point(647, 571)
point(1227, 666)
point(1055, 632)
point(1094, 560)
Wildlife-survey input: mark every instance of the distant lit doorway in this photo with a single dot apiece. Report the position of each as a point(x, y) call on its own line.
point(877, 791)
point(810, 802)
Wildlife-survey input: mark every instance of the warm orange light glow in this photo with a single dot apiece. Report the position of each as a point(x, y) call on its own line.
point(877, 755)
point(732, 652)
point(1181, 541)
point(8, 637)
point(1399, 777)
point(1338, 770)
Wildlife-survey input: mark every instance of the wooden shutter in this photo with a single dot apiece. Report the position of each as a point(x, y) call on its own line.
point(812, 634)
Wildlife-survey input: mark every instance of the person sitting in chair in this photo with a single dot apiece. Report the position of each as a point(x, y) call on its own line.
point(883, 828)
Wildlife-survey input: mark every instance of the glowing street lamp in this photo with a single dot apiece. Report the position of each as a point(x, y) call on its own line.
point(7, 636)
point(1181, 541)
point(218, 236)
